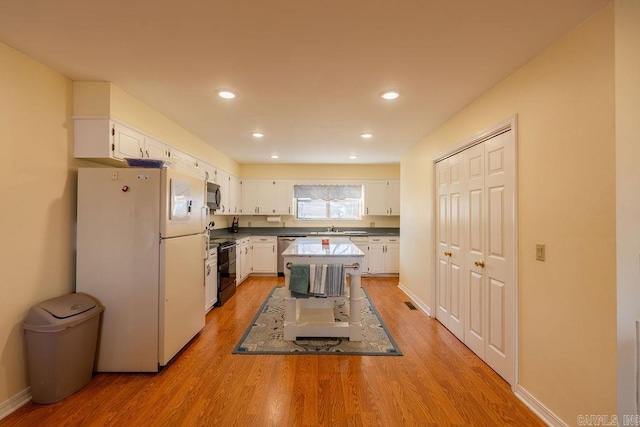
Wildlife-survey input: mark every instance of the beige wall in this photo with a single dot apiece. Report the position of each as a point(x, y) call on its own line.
point(37, 189)
point(564, 99)
point(627, 196)
point(320, 173)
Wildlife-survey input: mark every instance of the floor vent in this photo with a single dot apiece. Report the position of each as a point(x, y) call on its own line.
point(410, 305)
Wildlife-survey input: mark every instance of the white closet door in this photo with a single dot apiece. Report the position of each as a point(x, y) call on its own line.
point(475, 289)
point(450, 237)
point(475, 267)
point(442, 233)
point(499, 256)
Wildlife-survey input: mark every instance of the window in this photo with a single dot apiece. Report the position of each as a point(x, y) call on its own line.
point(322, 202)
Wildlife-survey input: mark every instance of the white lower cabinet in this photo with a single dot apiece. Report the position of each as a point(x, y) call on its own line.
point(265, 257)
point(384, 255)
point(243, 259)
point(363, 244)
point(211, 280)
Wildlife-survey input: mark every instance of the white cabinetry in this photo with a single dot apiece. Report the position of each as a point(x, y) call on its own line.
point(283, 194)
point(109, 139)
point(265, 258)
point(185, 162)
point(384, 255)
point(258, 197)
point(382, 197)
point(243, 259)
point(363, 244)
point(211, 280)
point(223, 182)
point(234, 195)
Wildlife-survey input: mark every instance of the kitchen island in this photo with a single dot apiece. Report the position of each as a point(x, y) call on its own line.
point(314, 316)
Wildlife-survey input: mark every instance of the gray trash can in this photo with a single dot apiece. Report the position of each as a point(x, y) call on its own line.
point(61, 334)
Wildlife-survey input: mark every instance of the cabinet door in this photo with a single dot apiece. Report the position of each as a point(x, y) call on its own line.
point(284, 197)
point(154, 149)
point(211, 284)
point(239, 263)
point(264, 255)
point(249, 197)
point(128, 142)
point(392, 255)
point(266, 197)
point(223, 182)
point(393, 197)
point(364, 264)
point(247, 261)
point(376, 256)
point(234, 195)
point(375, 198)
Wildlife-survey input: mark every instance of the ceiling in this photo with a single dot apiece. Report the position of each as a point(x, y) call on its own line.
point(307, 74)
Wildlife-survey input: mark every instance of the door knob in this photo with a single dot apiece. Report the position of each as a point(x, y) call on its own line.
point(479, 263)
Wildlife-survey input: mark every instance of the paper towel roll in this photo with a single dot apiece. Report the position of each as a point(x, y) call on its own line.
point(274, 219)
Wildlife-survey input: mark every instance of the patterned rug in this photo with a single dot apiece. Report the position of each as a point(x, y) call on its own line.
point(265, 334)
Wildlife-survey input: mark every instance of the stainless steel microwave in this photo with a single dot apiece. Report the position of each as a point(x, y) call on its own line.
point(213, 196)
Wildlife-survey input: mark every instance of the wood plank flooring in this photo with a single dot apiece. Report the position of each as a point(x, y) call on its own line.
point(438, 381)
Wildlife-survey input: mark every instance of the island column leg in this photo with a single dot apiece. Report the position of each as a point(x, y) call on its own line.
point(355, 305)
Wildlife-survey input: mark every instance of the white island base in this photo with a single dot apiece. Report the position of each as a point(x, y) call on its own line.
point(314, 317)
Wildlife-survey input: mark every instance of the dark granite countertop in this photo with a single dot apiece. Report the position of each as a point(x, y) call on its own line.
point(302, 232)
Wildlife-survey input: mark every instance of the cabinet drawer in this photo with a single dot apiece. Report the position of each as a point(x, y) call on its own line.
point(263, 239)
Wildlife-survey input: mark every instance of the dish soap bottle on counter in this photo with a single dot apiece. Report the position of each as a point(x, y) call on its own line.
point(234, 225)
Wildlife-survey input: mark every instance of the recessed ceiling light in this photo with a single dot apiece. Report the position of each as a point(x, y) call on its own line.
point(389, 95)
point(366, 135)
point(353, 157)
point(257, 134)
point(275, 156)
point(226, 94)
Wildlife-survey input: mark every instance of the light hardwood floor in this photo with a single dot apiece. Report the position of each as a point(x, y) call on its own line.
point(438, 381)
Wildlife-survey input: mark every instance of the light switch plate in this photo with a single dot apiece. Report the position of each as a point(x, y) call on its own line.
point(539, 252)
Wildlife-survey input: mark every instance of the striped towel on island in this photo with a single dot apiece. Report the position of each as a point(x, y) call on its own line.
point(326, 280)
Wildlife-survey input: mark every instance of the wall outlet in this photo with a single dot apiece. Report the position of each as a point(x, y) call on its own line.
point(284, 224)
point(372, 224)
point(249, 224)
point(114, 175)
point(539, 252)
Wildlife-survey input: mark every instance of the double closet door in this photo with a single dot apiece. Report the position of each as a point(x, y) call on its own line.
point(475, 265)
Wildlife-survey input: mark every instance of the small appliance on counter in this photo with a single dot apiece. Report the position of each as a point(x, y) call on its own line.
point(234, 225)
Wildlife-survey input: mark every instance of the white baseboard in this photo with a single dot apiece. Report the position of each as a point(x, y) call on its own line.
point(415, 299)
point(538, 408)
point(15, 402)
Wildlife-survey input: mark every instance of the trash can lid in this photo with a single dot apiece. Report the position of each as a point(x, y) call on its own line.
point(68, 305)
point(60, 313)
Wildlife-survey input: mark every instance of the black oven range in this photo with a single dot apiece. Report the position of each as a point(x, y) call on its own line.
point(226, 269)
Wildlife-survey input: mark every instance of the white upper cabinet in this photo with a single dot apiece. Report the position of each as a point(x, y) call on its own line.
point(267, 197)
point(109, 139)
point(283, 197)
point(209, 172)
point(154, 149)
point(223, 182)
point(382, 197)
point(266, 201)
point(249, 190)
point(234, 196)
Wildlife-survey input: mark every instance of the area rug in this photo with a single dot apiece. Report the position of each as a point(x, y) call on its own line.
point(265, 334)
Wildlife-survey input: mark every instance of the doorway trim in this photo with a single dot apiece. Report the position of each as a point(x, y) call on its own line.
point(508, 124)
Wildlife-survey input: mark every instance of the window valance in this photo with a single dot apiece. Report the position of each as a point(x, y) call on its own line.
point(327, 192)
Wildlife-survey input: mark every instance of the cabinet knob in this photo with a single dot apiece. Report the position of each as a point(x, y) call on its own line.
point(448, 253)
point(479, 263)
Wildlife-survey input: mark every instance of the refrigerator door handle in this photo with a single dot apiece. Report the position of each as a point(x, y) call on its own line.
point(206, 246)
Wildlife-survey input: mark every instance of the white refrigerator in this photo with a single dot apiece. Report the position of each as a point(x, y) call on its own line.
point(141, 250)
